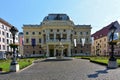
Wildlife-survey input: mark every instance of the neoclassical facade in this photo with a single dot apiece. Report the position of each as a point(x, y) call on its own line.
point(43, 38)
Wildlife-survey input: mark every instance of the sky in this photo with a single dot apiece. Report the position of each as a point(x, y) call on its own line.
point(97, 13)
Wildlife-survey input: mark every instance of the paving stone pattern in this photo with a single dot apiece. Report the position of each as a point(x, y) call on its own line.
point(77, 69)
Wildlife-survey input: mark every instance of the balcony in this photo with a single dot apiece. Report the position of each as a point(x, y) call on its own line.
point(55, 41)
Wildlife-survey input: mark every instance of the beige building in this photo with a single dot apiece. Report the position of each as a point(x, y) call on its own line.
point(100, 45)
point(43, 38)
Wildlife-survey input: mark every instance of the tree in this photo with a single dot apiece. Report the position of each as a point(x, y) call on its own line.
point(13, 45)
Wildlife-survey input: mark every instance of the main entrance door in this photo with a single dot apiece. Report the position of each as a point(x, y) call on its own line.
point(51, 52)
point(65, 52)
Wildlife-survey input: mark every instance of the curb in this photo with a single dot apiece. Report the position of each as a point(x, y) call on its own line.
point(98, 63)
point(33, 62)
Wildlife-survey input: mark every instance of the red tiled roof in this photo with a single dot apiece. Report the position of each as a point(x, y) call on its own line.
point(103, 32)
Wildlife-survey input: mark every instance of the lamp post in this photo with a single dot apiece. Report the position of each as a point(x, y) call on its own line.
point(112, 60)
point(14, 65)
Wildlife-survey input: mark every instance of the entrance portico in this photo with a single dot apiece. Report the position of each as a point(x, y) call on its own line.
point(56, 28)
point(52, 51)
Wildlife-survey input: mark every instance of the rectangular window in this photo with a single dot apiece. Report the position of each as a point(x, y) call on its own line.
point(51, 30)
point(40, 46)
point(75, 33)
point(75, 51)
point(7, 35)
point(81, 51)
point(3, 33)
point(64, 30)
point(39, 52)
point(7, 48)
point(39, 33)
point(10, 36)
point(10, 41)
point(40, 40)
point(27, 33)
point(27, 40)
point(57, 30)
point(64, 36)
point(33, 33)
point(80, 40)
point(51, 36)
point(80, 33)
point(2, 26)
point(33, 42)
point(33, 52)
point(3, 47)
point(104, 39)
point(7, 41)
point(57, 36)
point(3, 40)
point(87, 33)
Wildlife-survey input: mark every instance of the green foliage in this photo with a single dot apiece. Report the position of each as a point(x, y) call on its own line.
point(24, 63)
point(5, 64)
point(101, 60)
point(13, 45)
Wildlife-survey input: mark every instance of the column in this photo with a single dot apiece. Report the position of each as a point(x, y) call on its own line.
point(47, 54)
point(61, 35)
point(61, 52)
point(69, 50)
point(54, 51)
point(42, 39)
point(68, 35)
point(54, 36)
point(48, 36)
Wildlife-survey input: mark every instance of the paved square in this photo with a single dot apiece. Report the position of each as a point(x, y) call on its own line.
point(77, 69)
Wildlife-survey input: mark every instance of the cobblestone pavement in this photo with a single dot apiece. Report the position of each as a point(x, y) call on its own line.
point(76, 69)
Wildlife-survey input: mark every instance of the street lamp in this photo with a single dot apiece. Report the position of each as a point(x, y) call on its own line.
point(14, 65)
point(112, 60)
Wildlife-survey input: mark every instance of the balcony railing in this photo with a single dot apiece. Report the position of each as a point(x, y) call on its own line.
point(56, 40)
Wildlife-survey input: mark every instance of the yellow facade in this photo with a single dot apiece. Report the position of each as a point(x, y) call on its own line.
point(47, 36)
point(100, 46)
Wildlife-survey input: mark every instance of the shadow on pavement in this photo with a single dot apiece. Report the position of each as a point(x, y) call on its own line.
point(96, 74)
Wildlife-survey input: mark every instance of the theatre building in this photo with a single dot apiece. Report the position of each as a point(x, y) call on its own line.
point(42, 39)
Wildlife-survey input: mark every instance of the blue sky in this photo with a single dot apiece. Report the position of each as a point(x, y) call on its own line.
point(97, 13)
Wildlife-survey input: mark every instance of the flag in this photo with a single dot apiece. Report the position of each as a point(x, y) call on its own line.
point(75, 42)
point(21, 41)
point(83, 41)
